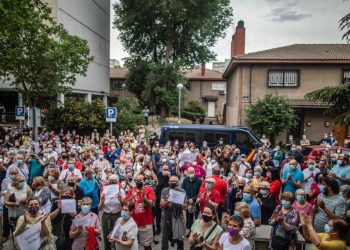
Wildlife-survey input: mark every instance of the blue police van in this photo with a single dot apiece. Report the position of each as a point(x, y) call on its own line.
point(245, 140)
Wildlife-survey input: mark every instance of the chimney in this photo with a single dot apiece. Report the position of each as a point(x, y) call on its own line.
point(203, 69)
point(238, 40)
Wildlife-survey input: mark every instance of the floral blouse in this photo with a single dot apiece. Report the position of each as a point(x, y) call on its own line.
point(248, 231)
point(292, 219)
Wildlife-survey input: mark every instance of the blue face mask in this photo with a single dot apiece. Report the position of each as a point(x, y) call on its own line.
point(19, 161)
point(125, 215)
point(70, 167)
point(300, 197)
point(292, 167)
point(263, 191)
point(171, 162)
point(257, 174)
point(286, 204)
point(20, 185)
point(327, 229)
point(236, 213)
point(248, 175)
point(322, 188)
point(247, 197)
point(208, 186)
point(149, 182)
point(312, 167)
point(12, 177)
point(85, 209)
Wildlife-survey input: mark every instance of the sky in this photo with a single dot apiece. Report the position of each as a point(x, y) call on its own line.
point(270, 24)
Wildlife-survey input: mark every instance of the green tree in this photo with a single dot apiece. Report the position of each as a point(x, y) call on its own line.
point(271, 115)
point(337, 98)
point(38, 56)
point(81, 116)
point(164, 32)
point(344, 25)
point(193, 109)
point(129, 115)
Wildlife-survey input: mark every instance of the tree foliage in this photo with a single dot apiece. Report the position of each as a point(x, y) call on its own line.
point(344, 25)
point(164, 32)
point(38, 56)
point(271, 115)
point(187, 29)
point(129, 115)
point(192, 110)
point(337, 98)
point(81, 116)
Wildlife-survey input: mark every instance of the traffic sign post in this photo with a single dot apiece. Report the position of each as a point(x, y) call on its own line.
point(111, 116)
point(20, 113)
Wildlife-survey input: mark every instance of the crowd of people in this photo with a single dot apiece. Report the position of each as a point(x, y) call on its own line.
point(126, 192)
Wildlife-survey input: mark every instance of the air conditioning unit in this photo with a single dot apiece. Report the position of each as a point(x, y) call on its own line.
point(221, 92)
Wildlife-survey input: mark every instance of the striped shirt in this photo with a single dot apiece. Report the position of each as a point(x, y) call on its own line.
point(335, 204)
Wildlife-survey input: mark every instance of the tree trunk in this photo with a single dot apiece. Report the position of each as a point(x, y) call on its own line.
point(163, 109)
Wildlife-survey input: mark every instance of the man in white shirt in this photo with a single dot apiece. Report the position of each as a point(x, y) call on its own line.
point(110, 203)
point(309, 174)
point(243, 166)
point(70, 171)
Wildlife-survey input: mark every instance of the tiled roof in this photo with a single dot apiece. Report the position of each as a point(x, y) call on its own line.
point(118, 73)
point(301, 52)
point(209, 74)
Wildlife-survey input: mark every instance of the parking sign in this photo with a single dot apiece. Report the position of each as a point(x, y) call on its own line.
point(20, 112)
point(111, 114)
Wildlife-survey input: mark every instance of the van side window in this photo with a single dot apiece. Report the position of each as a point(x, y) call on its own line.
point(243, 139)
point(176, 135)
point(209, 137)
point(223, 136)
point(190, 136)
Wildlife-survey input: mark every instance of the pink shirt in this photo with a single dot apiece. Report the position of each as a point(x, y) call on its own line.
point(307, 209)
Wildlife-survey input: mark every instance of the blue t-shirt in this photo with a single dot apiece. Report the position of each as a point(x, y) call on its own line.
point(297, 176)
point(255, 209)
point(35, 169)
point(342, 172)
point(111, 156)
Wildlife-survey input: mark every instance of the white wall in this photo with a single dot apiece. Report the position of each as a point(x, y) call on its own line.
point(90, 20)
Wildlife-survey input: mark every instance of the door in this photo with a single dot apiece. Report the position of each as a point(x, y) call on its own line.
point(339, 132)
point(211, 109)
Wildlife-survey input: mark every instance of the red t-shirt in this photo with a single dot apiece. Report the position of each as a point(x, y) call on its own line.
point(214, 197)
point(142, 215)
point(275, 189)
point(220, 185)
point(77, 165)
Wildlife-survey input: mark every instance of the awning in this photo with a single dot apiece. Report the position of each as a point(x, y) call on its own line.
point(211, 98)
point(300, 103)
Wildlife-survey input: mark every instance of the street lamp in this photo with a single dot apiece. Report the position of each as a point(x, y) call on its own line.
point(180, 86)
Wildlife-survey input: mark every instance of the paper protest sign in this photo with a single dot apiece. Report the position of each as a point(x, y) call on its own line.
point(85, 221)
point(68, 206)
point(30, 239)
point(176, 196)
point(111, 191)
point(116, 231)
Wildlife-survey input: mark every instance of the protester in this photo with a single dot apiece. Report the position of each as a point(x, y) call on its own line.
point(82, 224)
point(333, 238)
point(232, 239)
point(33, 216)
point(284, 222)
point(266, 201)
point(248, 229)
point(124, 234)
point(206, 232)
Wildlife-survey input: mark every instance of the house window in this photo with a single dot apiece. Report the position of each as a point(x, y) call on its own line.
point(280, 78)
point(346, 77)
point(188, 86)
point(220, 86)
point(118, 85)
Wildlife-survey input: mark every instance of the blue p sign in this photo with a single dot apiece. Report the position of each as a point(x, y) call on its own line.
point(111, 114)
point(19, 112)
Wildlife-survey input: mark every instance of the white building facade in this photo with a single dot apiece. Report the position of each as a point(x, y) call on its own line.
point(90, 20)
